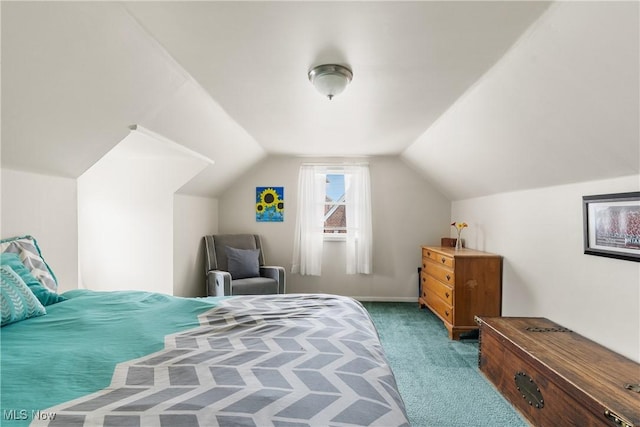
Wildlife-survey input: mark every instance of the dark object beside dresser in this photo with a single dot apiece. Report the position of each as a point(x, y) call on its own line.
point(556, 377)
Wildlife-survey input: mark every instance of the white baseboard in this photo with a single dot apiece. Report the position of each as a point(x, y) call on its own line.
point(387, 299)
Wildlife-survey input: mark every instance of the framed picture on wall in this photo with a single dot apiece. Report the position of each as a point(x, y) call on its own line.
point(612, 225)
point(269, 204)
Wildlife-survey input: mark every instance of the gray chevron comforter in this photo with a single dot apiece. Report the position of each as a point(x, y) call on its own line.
point(275, 360)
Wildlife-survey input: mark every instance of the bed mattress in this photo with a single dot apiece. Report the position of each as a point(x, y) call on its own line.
point(154, 360)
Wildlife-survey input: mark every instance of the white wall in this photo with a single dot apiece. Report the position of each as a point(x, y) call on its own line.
point(193, 218)
point(125, 214)
point(44, 207)
point(546, 274)
point(407, 213)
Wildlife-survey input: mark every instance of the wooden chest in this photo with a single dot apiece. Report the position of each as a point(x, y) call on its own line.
point(458, 285)
point(556, 377)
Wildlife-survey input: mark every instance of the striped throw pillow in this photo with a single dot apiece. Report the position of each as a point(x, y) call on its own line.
point(29, 252)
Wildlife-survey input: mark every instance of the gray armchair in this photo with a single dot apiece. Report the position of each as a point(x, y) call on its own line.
point(234, 265)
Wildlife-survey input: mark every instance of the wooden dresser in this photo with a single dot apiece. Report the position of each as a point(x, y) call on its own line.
point(458, 285)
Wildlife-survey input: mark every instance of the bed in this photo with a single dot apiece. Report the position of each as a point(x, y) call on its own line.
point(134, 358)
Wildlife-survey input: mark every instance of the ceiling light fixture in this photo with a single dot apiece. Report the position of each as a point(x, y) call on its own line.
point(330, 79)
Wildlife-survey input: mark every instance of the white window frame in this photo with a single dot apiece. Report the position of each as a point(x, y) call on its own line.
point(336, 237)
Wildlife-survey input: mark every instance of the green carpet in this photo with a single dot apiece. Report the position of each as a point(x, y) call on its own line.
point(438, 378)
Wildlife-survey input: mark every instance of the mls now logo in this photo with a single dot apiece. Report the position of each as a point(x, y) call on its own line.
point(15, 414)
point(23, 414)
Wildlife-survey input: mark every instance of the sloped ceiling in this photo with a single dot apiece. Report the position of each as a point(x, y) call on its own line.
point(561, 107)
point(410, 60)
point(514, 94)
point(74, 77)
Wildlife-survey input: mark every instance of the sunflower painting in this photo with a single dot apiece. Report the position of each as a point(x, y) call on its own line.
point(269, 204)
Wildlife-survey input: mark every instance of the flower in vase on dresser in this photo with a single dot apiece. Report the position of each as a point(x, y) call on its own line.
point(459, 226)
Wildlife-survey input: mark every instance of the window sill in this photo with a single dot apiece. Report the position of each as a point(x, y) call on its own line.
point(337, 237)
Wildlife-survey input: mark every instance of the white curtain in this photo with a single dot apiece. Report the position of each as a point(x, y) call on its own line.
point(309, 234)
point(359, 230)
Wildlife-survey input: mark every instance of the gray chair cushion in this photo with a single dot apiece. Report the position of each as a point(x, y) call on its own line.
point(243, 263)
point(217, 259)
point(255, 286)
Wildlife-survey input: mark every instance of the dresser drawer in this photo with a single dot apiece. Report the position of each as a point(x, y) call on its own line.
point(441, 273)
point(437, 257)
point(440, 307)
point(431, 285)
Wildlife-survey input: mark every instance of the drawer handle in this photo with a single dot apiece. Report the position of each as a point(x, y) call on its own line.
point(446, 312)
point(428, 253)
point(424, 265)
point(446, 294)
point(423, 279)
point(448, 277)
point(443, 259)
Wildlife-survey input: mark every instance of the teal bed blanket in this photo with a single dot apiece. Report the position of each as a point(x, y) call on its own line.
point(40, 367)
point(121, 359)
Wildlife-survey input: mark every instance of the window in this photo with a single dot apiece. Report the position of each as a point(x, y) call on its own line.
point(335, 215)
point(334, 202)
